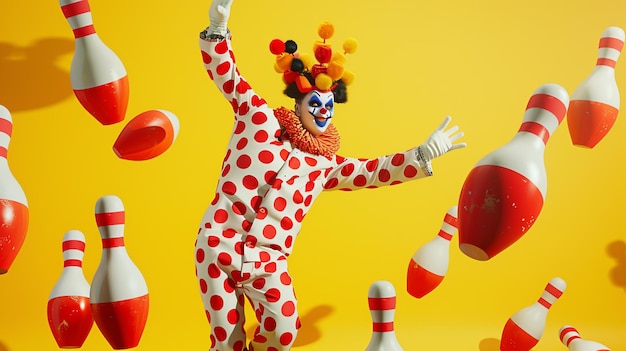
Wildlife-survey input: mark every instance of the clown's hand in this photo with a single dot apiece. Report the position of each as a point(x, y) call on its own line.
point(218, 14)
point(440, 141)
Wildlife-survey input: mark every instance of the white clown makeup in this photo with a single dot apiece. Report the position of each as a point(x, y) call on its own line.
point(315, 111)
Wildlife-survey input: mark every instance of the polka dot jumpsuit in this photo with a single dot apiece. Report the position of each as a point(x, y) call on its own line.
point(264, 192)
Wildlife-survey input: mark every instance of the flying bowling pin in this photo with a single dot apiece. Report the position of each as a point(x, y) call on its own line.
point(98, 76)
point(119, 295)
point(594, 105)
point(382, 305)
point(524, 329)
point(69, 310)
point(13, 204)
point(571, 338)
point(429, 263)
point(504, 193)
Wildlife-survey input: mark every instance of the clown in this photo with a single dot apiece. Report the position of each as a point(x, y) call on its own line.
point(278, 162)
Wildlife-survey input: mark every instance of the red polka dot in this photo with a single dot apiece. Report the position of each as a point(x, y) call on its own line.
point(269, 231)
point(221, 47)
point(269, 177)
point(285, 278)
point(211, 336)
point(299, 215)
point(310, 161)
point(384, 175)
point(213, 271)
point(372, 165)
point(286, 339)
point(257, 101)
point(286, 223)
point(309, 186)
point(260, 338)
point(225, 171)
point(288, 308)
point(259, 118)
point(213, 241)
point(284, 154)
point(242, 143)
point(314, 175)
point(264, 256)
point(200, 256)
point(244, 161)
point(233, 316)
point(238, 346)
point(261, 136)
point(255, 202)
point(333, 182)
point(206, 58)
point(239, 208)
point(224, 259)
point(360, 180)
point(347, 169)
point(243, 109)
point(272, 295)
point(246, 224)
point(223, 68)
point(308, 200)
point(239, 247)
point(294, 163)
point(280, 203)
point(229, 188)
point(229, 285)
point(269, 324)
point(229, 233)
point(262, 213)
point(270, 267)
point(220, 333)
point(239, 128)
point(277, 184)
point(242, 87)
point(216, 302)
point(410, 171)
point(397, 160)
point(228, 87)
point(203, 286)
point(221, 216)
point(258, 283)
point(288, 241)
point(250, 182)
point(215, 199)
point(210, 74)
point(266, 157)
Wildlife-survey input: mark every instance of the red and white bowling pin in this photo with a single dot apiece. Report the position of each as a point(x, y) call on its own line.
point(147, 135)
point(69, 310)
point(524, 329)
point(504, 193)
point(594, 105)
point(13, 204)
point(119, 295)
point(429, 263)
point(570, 337)
point(98, 76)
point(381, 298)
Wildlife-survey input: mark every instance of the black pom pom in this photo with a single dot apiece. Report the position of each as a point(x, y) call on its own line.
point(297, 65)
point(291, 46)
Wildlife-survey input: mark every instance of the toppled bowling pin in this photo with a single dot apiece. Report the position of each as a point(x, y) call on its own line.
point(595, 103)
point(570, 337)
point(119, 295)
point(429, 263)
point(13, 204)
point(147, 135)
point(504, 193)
point(98, 76)
point(382, 304)
point(69, 310)
point(524, 329)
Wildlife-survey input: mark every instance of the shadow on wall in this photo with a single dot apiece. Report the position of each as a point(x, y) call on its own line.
point(489, 344)
point(310, 332)
point(617, 274)
point(31, 78)
point(3, 347)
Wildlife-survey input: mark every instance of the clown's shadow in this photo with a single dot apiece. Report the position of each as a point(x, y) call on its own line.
point(489, 344)
point(310, 332)
point(617, 274)
point(31, 76)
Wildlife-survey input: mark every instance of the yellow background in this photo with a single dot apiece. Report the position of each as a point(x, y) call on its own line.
point(478, 61)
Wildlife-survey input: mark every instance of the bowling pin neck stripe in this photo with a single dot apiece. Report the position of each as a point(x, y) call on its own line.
point(72, 263)
point(6, 126)
point(110, 218)
point(382, 303)
point(609, 43)
point(78, 8)
point(74, 245)
point(567, 339)
point(109, 243)
point(445, 235)
point(548, 103)
point(382, 327)
point(555, 292)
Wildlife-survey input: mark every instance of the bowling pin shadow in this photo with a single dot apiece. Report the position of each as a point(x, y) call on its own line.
point(310, 332)
point(489, 344)
point(3, 347)
point(617, 274)
point(31, 76)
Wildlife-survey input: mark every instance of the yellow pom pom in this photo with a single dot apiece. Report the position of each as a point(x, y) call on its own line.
point(339, 57)
point(307, 60)
point(350, 45)
point(335, 70)
point(284, 61)
point(326, 30)
point(348, 77)
point(323, 81)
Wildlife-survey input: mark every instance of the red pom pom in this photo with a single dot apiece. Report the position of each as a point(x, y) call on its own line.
point(323, 54)
point(277, 47)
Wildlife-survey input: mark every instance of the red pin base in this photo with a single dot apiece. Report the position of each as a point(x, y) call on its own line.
point(122, 322)
point(420, 281)
point(108, 102)
point(589, 122)
point(515, 338)
point(146, 136)
point(497, 206)
point(13, 228)
point(70, 320)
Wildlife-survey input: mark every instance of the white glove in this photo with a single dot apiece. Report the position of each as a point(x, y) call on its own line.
point(440, 141)
point(218, 14)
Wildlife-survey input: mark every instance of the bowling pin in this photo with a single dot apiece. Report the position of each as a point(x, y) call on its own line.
point(595, 102)
point(98, 77)
point(381, 298)
point(524, 329)
point(429, 263)
point(504, 193)
point(147, 135)
point(571, 338)
point(119, 295)
point(13, 204)
point(69, 311)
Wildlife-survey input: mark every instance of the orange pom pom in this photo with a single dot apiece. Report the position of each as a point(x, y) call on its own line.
point(326, 30)
point(284, 61)
point(335, 70)
point(350, 45)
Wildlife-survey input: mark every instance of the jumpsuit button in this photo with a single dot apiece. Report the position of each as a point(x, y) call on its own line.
point(262, 210)
point(249, 244)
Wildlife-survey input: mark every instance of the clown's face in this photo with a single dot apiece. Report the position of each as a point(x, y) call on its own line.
point(315, 111)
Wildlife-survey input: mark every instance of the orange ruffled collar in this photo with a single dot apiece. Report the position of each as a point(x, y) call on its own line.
point(325, 144)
